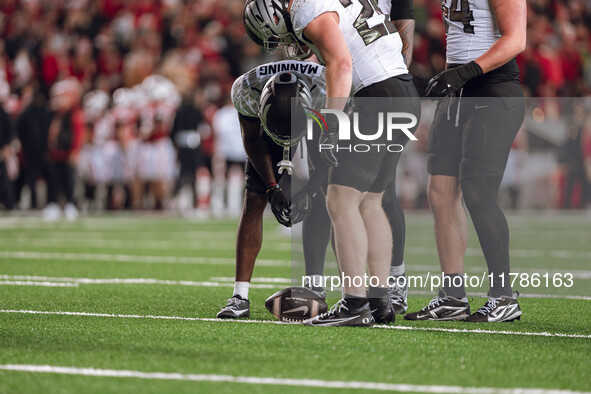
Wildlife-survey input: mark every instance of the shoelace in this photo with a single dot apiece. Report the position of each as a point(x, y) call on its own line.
point(397, 294)
point(489, 306)
point(233, 301)
point(433, 303)
point(336, 308)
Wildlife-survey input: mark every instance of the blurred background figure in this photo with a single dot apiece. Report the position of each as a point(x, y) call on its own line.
point(187, 140)
point(156, 161)
point(92, 160)
point(65, 137)
point(228, 162)
point(8, 171)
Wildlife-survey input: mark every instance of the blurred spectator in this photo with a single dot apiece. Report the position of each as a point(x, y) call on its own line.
point(65, 136)
point(571, 157)
point(229, 160)
point(32, 126)
point(91, 161)
point(6, 154)
point(187, 141)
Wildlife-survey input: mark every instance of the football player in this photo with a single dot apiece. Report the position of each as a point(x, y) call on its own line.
point(263, 97)
point(362, 52)
point(402, 15)
point(468, 147)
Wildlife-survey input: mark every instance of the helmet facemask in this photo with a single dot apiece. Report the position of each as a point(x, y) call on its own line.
point(272, 28)
point(283, 122)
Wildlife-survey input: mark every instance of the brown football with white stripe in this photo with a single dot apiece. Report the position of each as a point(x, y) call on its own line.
point(295, 304)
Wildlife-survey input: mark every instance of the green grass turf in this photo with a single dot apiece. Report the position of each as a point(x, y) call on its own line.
point(268, 350)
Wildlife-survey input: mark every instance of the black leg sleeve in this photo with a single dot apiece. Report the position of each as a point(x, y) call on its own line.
point(480, 196)
point(397, 223)
point(315, 236)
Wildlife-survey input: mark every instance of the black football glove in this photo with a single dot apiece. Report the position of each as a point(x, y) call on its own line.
point(279, 204)
point(330, 137)
point(301, 205)
point(449, 81)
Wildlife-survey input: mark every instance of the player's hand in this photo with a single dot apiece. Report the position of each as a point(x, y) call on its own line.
point(449, 81)
point(301, 205)
point(279, 204)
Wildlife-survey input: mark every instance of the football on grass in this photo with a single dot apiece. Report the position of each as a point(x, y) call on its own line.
point(295, 304)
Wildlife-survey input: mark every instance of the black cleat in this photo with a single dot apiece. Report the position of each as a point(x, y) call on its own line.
point(382, 310)
point(443, 309)
point(341, 315)
point(399, 295)
point(237, 307)
point(498, 309)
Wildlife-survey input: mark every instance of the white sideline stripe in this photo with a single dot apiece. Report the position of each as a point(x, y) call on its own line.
point(335, 384)
point(526, 253)
point(35, 283)
point(262, 280)
point(26, 280)
point(222, 281)
point(126, 258)
point(216, 244)
point(413, 292)
point(135, 244)
point(527, 295)
point(229, 321)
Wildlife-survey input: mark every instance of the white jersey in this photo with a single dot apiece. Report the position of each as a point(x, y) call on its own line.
point(246, 90)
point(385, 6)
point(471, 29)
point(373, 41)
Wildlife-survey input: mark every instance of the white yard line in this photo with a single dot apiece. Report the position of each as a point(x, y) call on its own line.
point(229, 321)
point(260, 280)
point(28, 280)
point(35, 283)
point(222, 281)
point(126, 258)
point(199, 244)
point(523, 253)
point(259, 380)
point(206, 241)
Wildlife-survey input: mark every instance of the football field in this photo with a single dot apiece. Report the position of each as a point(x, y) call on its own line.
point(128, 303)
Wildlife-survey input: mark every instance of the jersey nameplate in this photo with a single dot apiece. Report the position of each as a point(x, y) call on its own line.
point(305, 68)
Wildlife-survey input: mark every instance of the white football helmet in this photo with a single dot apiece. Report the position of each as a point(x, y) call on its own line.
point(268, 24)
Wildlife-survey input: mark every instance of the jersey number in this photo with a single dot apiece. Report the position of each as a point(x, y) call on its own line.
point(369, 10)
point(464, 15)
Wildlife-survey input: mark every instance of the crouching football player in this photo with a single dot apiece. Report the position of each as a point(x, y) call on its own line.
point(263, 98)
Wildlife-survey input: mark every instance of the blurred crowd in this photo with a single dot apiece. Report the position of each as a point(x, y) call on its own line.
point(124, 104)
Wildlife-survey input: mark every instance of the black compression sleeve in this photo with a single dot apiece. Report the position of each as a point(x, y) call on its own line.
point(402, 9)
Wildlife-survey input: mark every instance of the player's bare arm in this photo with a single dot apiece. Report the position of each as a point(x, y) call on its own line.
point(511, 17)
point(406, 29)
point(326, 35)
point(256, 148)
